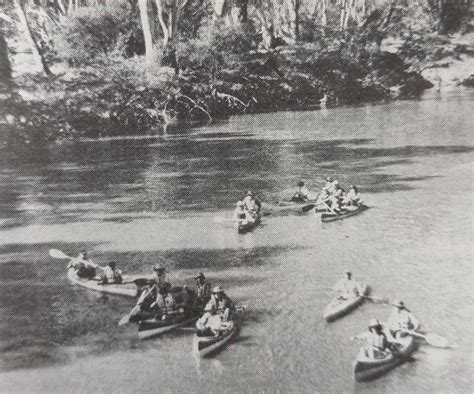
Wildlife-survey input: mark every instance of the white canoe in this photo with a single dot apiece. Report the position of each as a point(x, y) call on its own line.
point(126, 289)
point(338, 308)
point(365, 368)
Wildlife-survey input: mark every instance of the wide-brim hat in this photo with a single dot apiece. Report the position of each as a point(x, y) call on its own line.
point(159, 268)
point(217, 289)
point(200, 276)
point(250, 193)
point(374, 323)
point(399, 304)
point(300, 183)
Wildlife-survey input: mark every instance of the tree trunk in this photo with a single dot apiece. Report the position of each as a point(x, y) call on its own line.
point(293, 11)
point(35, 47)
point(143, 6)
point(5, 67)
point(243, 11)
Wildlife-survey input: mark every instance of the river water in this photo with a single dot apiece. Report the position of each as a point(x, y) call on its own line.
point(155, 199)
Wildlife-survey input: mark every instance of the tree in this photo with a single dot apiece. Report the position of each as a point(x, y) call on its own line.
point(143, 6)
point(28, 30)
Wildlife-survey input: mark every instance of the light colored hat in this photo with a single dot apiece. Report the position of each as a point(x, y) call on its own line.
point(336, 183)
point(159, 268)
point(250, 193)
point(329, 179)
point(217, 289)
point(240, 203)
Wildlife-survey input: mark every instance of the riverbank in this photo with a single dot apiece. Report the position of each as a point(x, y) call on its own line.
point(100, 101)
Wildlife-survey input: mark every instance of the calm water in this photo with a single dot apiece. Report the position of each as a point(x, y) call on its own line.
point(140, 201)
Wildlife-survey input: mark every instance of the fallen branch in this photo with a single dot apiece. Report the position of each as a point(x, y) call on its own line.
point(232, 100)
point(196, 105)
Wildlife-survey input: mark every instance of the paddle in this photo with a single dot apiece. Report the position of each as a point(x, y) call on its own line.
point(126, 318)
point(432, 339)
point(375, 299)
point(58, 254)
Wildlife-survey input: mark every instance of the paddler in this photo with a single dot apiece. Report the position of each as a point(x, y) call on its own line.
point(160, 277)
point(218, 309)
point(165, 303)
point(112, 274)
point(301, 194)
point(401, 320)
point(348, 287)
point(353, 197)
point(377, 342)
point(84, 266)
point(336, 197)
point(241, 215)
point(203, 288)
point(252, 204)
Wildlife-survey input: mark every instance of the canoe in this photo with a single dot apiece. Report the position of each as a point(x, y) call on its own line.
point(154, 327)
point(365, 368)
point(331, 217)
point(207, 345)
point(243, 228)
point(126, 289)
point(303, 207)
point(338, 308)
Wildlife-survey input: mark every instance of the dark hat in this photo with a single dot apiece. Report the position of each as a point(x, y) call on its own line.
point(300, 183)
point(399, 304)
point(112, 264)
point(200, 276)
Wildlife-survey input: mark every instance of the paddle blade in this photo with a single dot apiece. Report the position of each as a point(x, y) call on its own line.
point(437, 340)
point(124, 320)
point(307, 208)
point(58, 254)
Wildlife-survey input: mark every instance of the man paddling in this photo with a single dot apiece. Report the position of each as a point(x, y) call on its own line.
point(353, 197)
point(242, 215)
point(160, 277)
point(401, 320)
point(112, 274)
point(84, 266)
point(252, 204)
point(203, 288)
point(165, 303)
point(348, 287)
point(217, 310)
point(301, 194)
point(377, 342)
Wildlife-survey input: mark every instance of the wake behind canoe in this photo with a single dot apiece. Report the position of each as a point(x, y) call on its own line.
point(125, 289)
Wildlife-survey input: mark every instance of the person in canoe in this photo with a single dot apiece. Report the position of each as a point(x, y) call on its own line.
point(301, 194)
point(348, 287)
point(218, 309)
point(401, 320)
point(112, 274)
point(160, 277)
point(252, 204)
point(203, 288)
point(242, 215)
point(353, 197)
point(83, 266)
point(164, 303)
point(377, 342)
point(336, 197)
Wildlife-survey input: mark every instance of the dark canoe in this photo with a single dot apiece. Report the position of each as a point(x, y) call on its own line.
point(128, 288)
point(249, 226)
point(331, 217)
point(366, 368)
point(157, 326)
point(207, 345)
point(338, 308)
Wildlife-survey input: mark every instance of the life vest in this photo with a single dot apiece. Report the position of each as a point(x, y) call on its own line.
point(377, 341)
point(165, 303)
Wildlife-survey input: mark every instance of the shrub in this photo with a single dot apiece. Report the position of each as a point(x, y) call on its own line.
point(93, 33)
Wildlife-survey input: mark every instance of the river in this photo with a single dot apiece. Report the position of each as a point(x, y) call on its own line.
point(155, 199)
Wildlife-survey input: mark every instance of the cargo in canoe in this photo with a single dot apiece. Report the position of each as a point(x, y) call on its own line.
point(345, 213)
point(205, 345)
point(366, 368)
point(338, 308)
point(128, 288)
point(247, 226)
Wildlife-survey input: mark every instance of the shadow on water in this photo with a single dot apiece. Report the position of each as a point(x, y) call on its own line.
point(47, 321)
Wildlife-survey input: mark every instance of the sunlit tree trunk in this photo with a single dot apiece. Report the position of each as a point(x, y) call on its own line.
point(35, 47)
point(143, 6)
point(5, 67)
point(293, 11)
